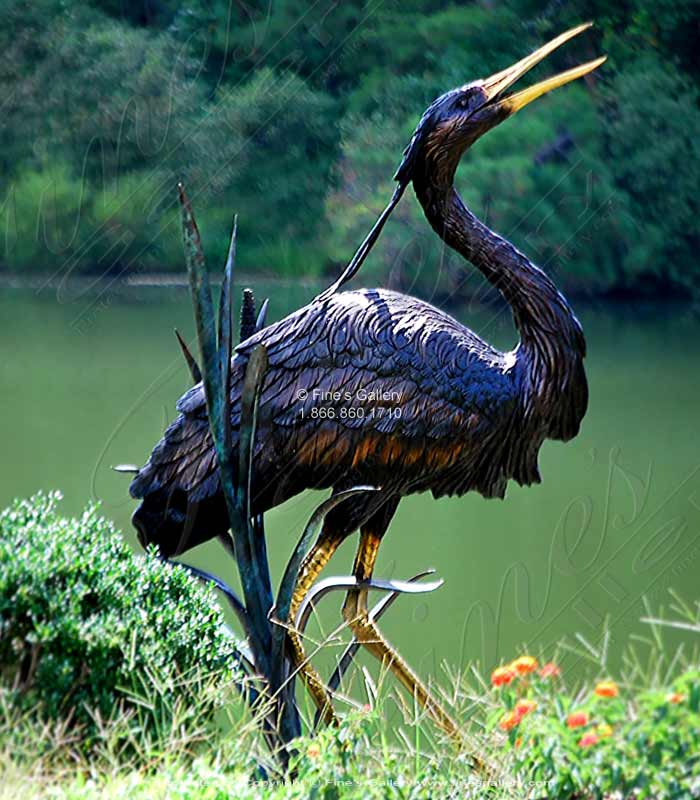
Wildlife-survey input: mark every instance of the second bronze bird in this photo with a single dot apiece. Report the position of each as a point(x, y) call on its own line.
point(468, 417)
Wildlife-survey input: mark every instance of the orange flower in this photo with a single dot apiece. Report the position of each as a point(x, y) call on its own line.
point(604, 731)
point(524, 707)
point(588, 740)
point(313, 750)
point(577, 719)
point(509, 721)
point(550, 670)
point(607, 689)
point(675, 697)
point(524, 665)
point(519, 741)
point(502, 676)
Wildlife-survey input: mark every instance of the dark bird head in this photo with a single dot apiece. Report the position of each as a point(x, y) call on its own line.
point(453, 122)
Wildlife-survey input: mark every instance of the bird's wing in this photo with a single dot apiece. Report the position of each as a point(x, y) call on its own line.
point(347, 380)
point(343, 353)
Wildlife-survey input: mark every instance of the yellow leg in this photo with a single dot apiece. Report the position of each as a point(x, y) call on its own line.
point(315, 560)
point(356, 614)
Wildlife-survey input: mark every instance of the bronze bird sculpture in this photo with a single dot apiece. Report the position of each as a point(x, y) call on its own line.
point(372, 387)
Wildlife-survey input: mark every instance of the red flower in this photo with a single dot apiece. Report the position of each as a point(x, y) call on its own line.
point(607, 689)
point(577, 719)
point(502, 676)
point(550, 670)
point(524, 665)
point(509, 721)
point(514, 717)
point(588, 740)
point(675, 697)
point(524, 707)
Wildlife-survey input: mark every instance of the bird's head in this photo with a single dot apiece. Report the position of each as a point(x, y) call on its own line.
point(453, 122)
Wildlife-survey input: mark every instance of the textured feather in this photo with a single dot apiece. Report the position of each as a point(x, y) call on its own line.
point(444, 393)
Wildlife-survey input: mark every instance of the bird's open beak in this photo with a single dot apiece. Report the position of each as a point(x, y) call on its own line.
point(501, 107)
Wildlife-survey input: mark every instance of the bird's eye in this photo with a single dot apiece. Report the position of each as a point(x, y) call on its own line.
point(463, 102)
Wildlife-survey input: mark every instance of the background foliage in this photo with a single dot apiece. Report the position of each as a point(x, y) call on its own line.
point(295, 114)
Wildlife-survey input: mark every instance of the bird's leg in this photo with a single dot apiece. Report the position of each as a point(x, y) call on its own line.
point(356, 614)
point(315, 560)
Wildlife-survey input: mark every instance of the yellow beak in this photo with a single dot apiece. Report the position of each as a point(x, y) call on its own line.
point(498, 83)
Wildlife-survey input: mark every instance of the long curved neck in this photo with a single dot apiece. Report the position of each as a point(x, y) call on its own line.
point(551, 340)
point(539, 309)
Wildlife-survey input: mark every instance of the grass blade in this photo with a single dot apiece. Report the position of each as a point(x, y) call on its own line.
point(225, 335)
point(204, 322)
point(252, 384)
point(253, 566)
point(192, 364)
point(262, 316)
point(260, 556)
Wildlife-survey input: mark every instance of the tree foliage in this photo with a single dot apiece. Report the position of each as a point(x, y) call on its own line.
point(294, 115)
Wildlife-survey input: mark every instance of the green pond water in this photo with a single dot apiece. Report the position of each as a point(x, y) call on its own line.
point(88, 381)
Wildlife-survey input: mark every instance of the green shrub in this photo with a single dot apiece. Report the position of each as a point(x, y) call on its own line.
point(90, 632)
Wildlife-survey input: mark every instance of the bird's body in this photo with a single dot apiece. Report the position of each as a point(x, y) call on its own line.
point(365, 387)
